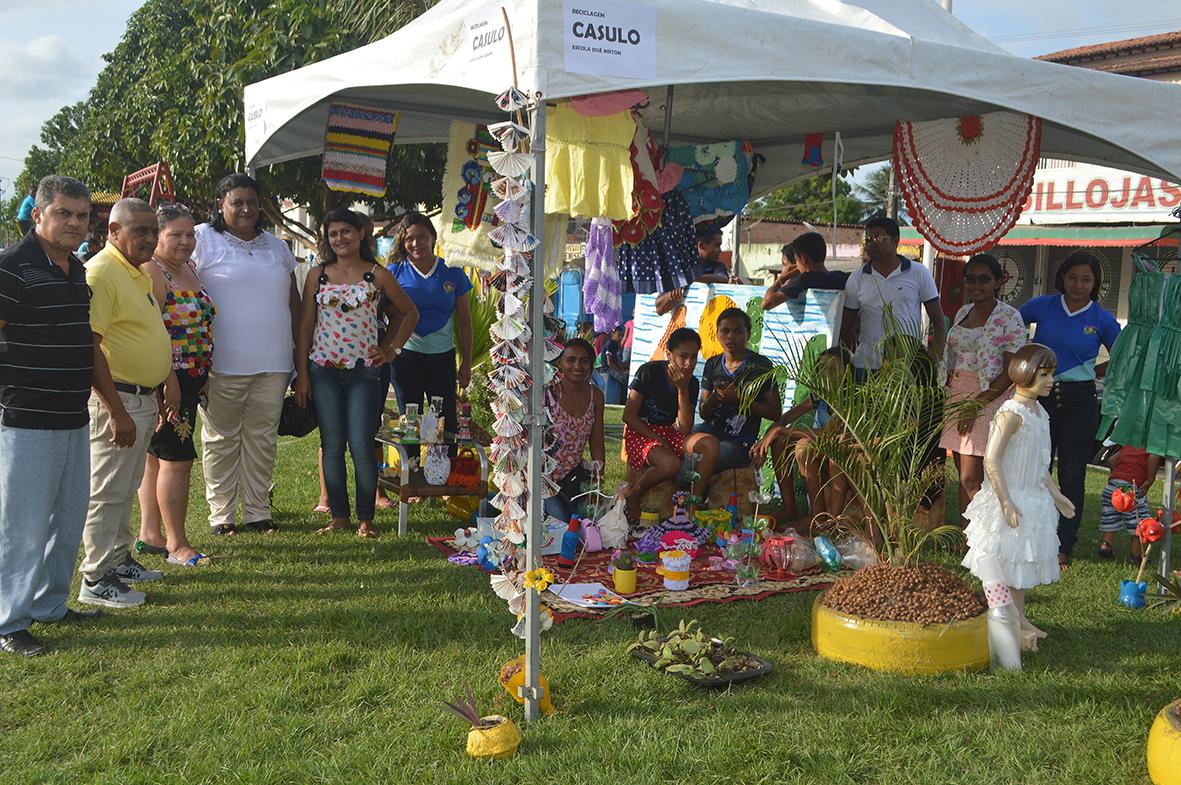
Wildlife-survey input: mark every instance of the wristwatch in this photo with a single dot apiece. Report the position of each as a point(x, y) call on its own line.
point(397, 351)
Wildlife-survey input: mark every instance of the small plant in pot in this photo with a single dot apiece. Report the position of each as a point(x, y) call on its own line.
point(883, 438)
point(686, 651)
point(623, 570)
point(490, 737)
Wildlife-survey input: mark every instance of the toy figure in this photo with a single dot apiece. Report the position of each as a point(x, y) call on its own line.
point(1014, 517)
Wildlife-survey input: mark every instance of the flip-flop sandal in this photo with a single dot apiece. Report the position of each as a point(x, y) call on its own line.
point(321, 508)
point(368, 532)
point(193, 562)
point(151, 550)
point(263, 527)
point(330, 529)
point(224, 529)
point(1106, 552)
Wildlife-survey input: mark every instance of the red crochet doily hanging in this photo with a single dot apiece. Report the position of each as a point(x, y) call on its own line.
point(965, 179)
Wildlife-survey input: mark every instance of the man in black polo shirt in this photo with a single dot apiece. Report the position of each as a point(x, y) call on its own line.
point(45, 376)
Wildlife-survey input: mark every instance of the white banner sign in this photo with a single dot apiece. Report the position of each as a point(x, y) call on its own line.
point(1083, 193)
point(610, 38)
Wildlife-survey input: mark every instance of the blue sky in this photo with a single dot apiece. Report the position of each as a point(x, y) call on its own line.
point(51, 50)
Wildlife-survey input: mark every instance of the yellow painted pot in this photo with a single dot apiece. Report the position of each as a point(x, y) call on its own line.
point(496, 742)
point(1164, 746)
point(625, 581)
point(513, 684)
point(900, 647)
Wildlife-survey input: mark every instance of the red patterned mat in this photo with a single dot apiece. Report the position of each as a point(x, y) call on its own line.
point(706, 585)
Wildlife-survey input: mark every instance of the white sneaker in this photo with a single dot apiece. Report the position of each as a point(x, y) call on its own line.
point(131, 570)
point(110, 592)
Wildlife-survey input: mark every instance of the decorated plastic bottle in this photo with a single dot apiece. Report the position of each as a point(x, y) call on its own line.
point(732, 508)
point(570, 542)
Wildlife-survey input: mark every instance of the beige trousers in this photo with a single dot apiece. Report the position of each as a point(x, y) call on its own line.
point(115, 474)
point(239, 432)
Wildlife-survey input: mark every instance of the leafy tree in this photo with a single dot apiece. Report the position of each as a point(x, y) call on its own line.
point(172, 91)
point(876, 194)
point(810, 200)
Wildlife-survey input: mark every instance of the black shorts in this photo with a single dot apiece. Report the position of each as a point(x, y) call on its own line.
point(174, 442)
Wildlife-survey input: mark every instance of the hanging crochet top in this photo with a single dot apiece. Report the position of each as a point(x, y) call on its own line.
point(588, 164)
point(188, 317)
point(571, 433)
point(346, 322)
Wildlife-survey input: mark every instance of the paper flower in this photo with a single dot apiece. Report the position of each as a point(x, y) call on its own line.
point(1150, 530)
point(539, 580)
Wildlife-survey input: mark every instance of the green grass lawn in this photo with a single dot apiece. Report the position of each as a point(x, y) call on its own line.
point(296, 658)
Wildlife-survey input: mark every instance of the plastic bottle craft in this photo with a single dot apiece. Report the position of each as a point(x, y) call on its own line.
point(675, 569)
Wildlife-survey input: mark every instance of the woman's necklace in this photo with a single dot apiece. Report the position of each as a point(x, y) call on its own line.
point(246, 245)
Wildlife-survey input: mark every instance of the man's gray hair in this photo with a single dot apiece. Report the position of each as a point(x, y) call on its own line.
point(125, 211)
point(54, 184)
point(167, 212)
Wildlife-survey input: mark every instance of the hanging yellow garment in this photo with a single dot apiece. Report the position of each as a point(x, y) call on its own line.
point(588, 167)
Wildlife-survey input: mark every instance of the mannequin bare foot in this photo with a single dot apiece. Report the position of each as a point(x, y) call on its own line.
point(1029, 629)
point(1028, 641)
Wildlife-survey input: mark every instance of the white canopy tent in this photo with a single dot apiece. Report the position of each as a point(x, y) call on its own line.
point(767, 71)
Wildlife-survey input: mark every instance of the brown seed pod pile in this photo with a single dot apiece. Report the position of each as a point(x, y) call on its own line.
point(926, 594)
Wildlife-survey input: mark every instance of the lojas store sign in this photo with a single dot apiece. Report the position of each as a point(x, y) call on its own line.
point(610, 38)
point(1082, 193)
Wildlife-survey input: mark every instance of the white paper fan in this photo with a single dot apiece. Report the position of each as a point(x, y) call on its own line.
point(505, 587)
point(512, 237)
point(510, 164)
point(509, 134)
point(512, 100)
point(509, 188)
point(506, 328)
point(514, 212)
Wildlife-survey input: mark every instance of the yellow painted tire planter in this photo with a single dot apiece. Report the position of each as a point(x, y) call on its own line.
point(496, 742)
point(1164, 746)
point(897, 646)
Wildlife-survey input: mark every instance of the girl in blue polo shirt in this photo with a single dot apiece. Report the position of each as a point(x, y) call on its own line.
point(1074, 325)
point(427, 367)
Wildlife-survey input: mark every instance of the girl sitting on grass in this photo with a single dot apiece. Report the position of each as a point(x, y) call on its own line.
point(658, 421)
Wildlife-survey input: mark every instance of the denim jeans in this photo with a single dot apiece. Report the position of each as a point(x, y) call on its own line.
point(44, 490)
point(346, 400)
point(1074, 418)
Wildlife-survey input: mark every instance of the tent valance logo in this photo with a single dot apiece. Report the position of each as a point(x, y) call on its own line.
point(356, 146)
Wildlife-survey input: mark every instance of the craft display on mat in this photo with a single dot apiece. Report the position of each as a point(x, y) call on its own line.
point(357, 145)
point(965, 179)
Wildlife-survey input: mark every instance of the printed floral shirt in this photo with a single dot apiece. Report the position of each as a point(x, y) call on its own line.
point(981, 350)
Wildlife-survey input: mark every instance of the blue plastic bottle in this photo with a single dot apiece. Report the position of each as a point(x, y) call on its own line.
point(570, 542)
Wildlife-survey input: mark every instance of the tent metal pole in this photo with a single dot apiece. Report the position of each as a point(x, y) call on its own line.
point(668, 114)
point(1167, 542)
point(532, 688)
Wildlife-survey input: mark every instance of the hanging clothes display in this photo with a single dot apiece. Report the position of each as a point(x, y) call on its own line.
point(588, 164)
point(647, 204)
point(1125, 402)
point(716, 178)
point(602, 291)
point(1162, 376)
point(664, 260)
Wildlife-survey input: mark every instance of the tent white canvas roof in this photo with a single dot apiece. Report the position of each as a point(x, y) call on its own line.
point(768, 71)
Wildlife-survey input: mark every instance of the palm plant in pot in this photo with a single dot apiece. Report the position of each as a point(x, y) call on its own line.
point(883, 438)
point(492, 736)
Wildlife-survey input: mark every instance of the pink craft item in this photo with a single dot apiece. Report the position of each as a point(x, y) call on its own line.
point(601, 104)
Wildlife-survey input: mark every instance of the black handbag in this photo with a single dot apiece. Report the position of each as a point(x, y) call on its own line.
point(296, 420)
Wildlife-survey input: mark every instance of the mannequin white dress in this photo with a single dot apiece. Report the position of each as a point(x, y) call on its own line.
point(1028, 554)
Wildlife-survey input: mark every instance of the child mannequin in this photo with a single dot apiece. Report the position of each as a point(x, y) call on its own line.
point(1015, 515)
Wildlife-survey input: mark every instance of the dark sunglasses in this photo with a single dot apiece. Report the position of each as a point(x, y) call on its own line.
point(974, 279)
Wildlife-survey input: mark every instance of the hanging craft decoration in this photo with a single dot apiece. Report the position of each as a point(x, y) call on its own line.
point(357, 144)
point(468, 182)
point(965, 179)
point(813, 150)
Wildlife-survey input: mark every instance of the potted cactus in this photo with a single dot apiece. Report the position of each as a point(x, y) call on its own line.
point(623, 568)
point(490, 737)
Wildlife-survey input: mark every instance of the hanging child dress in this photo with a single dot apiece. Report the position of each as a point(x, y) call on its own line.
point(1162, 378)
point(1125, 401)
point(1028, 554)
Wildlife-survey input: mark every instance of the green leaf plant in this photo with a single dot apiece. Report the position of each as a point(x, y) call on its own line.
point(884, 439)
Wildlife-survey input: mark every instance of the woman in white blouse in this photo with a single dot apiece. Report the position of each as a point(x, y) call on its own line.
point(249, 274)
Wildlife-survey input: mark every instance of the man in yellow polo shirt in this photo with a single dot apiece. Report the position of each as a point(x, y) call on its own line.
point(132, 361)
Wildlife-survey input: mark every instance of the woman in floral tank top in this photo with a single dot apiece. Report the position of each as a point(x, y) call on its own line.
point(576, 411)
point(188, 314)
point(338, 357)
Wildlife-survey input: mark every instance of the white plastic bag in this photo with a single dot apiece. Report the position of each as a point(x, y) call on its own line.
point(613, 526)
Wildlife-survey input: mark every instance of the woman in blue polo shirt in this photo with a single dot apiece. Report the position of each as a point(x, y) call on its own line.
point(427, 366)
point(1074, 325)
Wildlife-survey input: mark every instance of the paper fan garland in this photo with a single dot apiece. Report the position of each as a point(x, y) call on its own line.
point(965, 179)
point(510, 164)
point(512, 100)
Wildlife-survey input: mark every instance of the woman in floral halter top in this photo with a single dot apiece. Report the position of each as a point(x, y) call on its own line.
point(188, 314)
point(338, 357)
